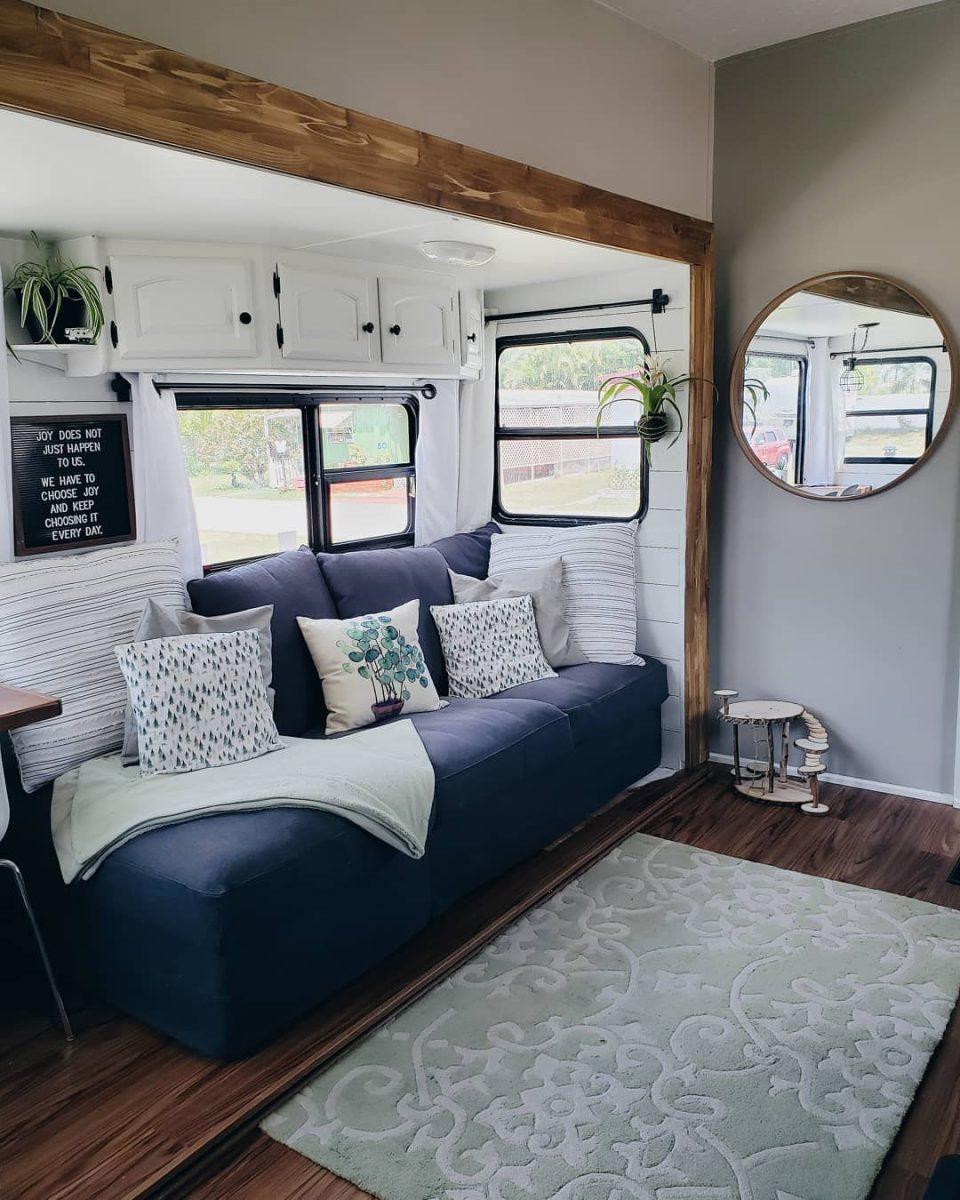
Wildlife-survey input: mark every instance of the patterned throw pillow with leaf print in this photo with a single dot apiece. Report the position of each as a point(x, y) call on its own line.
point(371, 667)
point(490, 645)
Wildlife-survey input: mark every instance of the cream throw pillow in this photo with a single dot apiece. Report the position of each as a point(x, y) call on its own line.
point(371, 667)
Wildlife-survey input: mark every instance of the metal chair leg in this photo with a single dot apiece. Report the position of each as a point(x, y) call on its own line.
point(51, 978)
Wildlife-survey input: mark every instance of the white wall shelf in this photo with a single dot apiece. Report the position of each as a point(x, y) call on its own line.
point(74, 361)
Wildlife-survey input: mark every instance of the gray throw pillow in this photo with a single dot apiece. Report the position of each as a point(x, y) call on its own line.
point(544, 585)
point(158, 621)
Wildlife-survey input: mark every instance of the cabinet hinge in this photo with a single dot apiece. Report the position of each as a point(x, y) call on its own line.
point(276, 282)
point(114, 335)
point(280, 336)
point(108, 280)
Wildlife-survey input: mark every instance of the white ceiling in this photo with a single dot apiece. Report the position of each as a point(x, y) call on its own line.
point(807, 315)
point(716, 29)
point(65, 181)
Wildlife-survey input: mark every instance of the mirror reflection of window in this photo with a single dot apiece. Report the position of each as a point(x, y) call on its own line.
point(857, 381)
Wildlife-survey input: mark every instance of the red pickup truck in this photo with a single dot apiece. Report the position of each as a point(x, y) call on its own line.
point(769, 443)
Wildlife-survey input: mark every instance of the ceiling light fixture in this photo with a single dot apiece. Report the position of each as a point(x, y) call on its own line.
point(458, 254)
point(851, 379)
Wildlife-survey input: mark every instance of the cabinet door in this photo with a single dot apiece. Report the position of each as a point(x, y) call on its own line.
point(328, 314)
point(471, 330)
point(418, 318)
point(184, 307)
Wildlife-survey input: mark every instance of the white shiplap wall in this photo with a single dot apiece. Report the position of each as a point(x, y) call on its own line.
point(660, 558)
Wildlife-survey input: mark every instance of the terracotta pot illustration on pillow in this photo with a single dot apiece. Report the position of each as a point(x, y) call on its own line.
point(379, 652)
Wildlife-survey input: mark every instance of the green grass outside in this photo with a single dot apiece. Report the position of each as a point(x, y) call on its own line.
point(219, 485)
point(573, 494)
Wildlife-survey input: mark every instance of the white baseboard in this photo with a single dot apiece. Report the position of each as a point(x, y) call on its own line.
point(868, 785)
point(655, 774)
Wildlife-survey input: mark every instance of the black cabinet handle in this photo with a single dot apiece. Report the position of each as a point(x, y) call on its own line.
point(245, 318)
point(395, 330)
point(471, 337)
point(368, 327)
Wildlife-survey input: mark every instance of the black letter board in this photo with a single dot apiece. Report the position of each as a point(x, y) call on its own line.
point(72, 483)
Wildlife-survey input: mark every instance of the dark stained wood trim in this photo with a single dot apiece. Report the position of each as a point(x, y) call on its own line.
point(696, 656)
point(123, 1113)
point(869, 291)
point(819, 283)
point(62, 67)
point(19, 707)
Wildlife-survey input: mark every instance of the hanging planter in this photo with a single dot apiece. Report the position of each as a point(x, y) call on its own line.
point(656, 393)
point(59, 302)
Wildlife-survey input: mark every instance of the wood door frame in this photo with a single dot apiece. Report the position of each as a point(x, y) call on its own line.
point(70, 70)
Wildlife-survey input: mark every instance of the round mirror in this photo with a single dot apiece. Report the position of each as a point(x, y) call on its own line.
point(842, 386)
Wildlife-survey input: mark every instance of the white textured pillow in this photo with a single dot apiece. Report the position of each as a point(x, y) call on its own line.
point(60, 619)
point(490, 645)
point(198, 701)
point(599, 581)
point(371, 667)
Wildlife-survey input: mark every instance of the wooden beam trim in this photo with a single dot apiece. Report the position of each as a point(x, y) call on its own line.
point(61, 67)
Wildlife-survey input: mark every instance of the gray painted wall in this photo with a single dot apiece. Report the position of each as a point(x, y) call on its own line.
point(566, 85)
point(841, 152)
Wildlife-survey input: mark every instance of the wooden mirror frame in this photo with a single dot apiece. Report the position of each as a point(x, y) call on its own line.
point(70, 70)
point(811, 284)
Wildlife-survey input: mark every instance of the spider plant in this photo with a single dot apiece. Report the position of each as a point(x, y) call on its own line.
point(754, 393)
point(656, 392)
point(43, 288)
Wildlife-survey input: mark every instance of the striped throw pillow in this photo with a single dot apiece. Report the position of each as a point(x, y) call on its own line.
point(59, 622)
point(599, 581)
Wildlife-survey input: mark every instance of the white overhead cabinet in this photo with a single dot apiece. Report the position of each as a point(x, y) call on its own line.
point(419, 321)
point(471, 331)
point(188, 305)
point(328, 313)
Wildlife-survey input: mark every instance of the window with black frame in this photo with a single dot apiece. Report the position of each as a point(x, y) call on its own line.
point(776, 428)
point(272, 472)
point(552, 463)
point(888, 410)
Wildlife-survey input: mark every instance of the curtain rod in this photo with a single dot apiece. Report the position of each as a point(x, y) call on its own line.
point(782, 337)
point(427, 390)
point(658, 303)
point(871, 350)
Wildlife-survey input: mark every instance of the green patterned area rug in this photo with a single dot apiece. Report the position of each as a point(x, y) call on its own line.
point(674, 1025)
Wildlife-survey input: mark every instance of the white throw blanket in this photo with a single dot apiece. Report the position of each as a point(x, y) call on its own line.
point(380, 778)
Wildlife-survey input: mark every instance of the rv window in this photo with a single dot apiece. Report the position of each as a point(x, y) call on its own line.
point(552, 464)
point(776, 428)
point(332, 474)
point(889, 417)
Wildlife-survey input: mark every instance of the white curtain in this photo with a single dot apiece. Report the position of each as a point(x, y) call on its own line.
point(476, 439)
point(161, 484)
point(438, 464)
point(6, 484)
point(820, 446)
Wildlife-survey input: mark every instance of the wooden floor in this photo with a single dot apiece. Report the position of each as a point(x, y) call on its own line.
point(124, 1113)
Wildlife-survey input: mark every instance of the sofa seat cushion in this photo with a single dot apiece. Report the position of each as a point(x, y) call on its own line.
point(226, 881)
point(372, 581)
point(598, 697)
point(293, 583)
point(479, 746)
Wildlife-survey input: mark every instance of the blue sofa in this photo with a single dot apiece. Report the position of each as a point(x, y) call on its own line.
point(222, 930)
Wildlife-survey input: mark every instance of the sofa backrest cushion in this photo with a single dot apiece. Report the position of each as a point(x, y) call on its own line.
point(468, 553)
point(293, 583)
point(372, 581)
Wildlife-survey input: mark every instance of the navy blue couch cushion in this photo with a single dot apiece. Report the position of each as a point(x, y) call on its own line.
point(468, 553)
point(369, 581)
point(293, 583)
point(598, 697)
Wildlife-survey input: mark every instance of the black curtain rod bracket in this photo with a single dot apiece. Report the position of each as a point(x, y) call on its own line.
point(657, 303)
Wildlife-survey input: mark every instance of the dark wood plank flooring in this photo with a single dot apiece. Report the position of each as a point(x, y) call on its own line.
point(125, 1113)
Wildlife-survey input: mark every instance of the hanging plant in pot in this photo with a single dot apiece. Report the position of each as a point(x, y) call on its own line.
point(656, 393)
point(59, 301)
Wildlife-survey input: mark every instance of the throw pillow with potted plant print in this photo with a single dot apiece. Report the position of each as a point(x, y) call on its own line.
point(371, 667)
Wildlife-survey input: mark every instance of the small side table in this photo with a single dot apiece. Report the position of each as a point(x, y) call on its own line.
point(19, 708)
point(770, 781)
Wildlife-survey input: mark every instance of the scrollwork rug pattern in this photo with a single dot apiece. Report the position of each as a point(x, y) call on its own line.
point(673, 1025)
